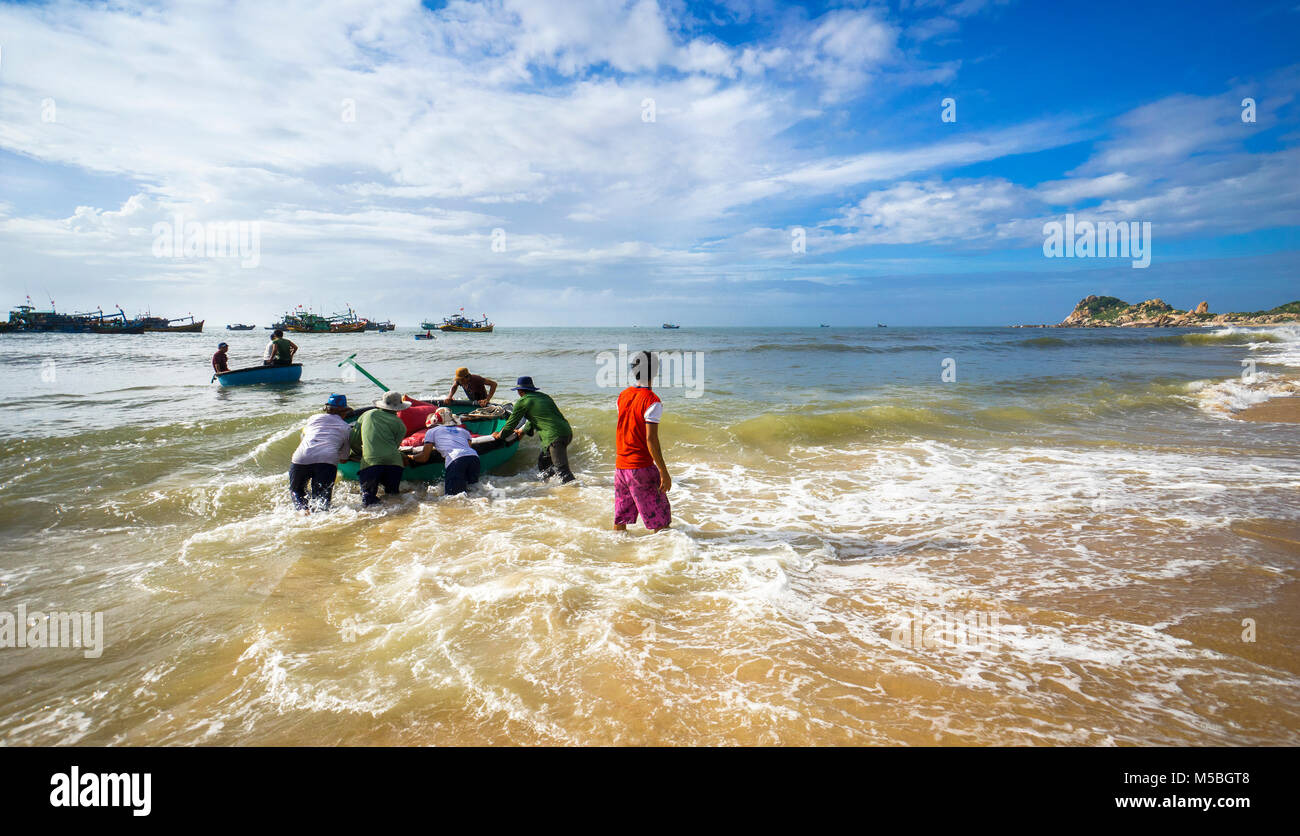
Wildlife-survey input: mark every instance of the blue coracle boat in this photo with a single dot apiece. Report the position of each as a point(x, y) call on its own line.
point(261, 374)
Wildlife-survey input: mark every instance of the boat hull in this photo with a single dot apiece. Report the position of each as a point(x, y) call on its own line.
point(261, 374)
point(492, 453)
point(487, 329)
point(192, 328)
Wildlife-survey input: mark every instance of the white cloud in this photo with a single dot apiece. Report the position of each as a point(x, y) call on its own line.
point(527, 116)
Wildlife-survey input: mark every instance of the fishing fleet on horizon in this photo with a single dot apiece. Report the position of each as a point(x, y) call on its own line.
point(25, 318)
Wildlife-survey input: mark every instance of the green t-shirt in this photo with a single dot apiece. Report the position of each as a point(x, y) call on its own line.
point(543, 416)
point(283, 351)
point(381, 434)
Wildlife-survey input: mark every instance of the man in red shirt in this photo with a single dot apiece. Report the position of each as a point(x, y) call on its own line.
point(220, 365)
point(641, 480)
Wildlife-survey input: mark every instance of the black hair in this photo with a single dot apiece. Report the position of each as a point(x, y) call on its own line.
point(644, 366)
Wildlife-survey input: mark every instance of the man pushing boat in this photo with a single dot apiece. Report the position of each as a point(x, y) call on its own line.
point(544, 418)
point(381, 433)
point(326, 441)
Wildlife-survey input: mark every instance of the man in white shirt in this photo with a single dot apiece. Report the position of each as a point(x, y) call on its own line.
point(326, 441)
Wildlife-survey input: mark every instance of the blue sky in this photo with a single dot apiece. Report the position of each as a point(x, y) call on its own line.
point(614, 162)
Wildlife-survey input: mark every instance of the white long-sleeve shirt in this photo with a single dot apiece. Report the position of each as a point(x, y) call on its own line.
point(325, 440)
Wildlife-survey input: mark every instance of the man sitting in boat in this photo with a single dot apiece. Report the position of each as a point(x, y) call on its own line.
point(220, 364)
point(451, 440)
point(279, 351)
point(477, 388)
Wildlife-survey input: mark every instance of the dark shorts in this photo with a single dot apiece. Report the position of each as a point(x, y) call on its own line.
point(371, 478)
point(460, 474)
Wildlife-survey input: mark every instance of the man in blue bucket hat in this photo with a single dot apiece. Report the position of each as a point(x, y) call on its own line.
point(326, 441)
point(545, 419)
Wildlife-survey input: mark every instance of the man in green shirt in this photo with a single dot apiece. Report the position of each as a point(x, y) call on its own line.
point(544, 418)
point(381, 436)
point(279, 351)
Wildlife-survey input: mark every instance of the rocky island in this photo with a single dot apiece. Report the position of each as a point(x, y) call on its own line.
point(1111, 312)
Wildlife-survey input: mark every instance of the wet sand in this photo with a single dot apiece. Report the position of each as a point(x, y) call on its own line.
point(1275, 411)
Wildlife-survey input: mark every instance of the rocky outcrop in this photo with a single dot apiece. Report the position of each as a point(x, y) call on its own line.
point(1111, 312)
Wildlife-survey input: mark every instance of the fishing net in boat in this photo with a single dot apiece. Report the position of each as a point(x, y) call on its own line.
point(492, 411)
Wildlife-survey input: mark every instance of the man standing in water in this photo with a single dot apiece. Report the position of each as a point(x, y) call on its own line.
point(279, 351)
point(326, 441)
point(381, 440)
point(545, 419)
point(641, 480)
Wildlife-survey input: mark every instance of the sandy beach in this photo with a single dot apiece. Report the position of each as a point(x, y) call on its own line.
point(1276, 411)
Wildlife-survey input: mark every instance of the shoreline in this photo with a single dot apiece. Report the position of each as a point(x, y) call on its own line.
point(1280, 410)
point(1096, 325)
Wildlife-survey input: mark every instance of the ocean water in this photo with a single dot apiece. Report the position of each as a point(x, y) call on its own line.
point(1121, 553)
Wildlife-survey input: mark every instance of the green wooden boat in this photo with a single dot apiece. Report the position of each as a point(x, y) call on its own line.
point(492, 453)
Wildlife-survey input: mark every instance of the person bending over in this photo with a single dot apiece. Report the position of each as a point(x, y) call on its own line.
point(544, 418)
point(477, 388)
point(325, 442)
point(381, 439)
point(451, 440)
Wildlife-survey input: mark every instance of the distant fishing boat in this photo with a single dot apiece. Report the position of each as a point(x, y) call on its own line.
point(260, 374)
point(878, 325)
point(27, 318)
point(425, 336)
point(459, 322)
point(379, 326)
point(306, 322)
point(824, 325)
point(240, 327)
point(163, 325)
point(671, 326)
